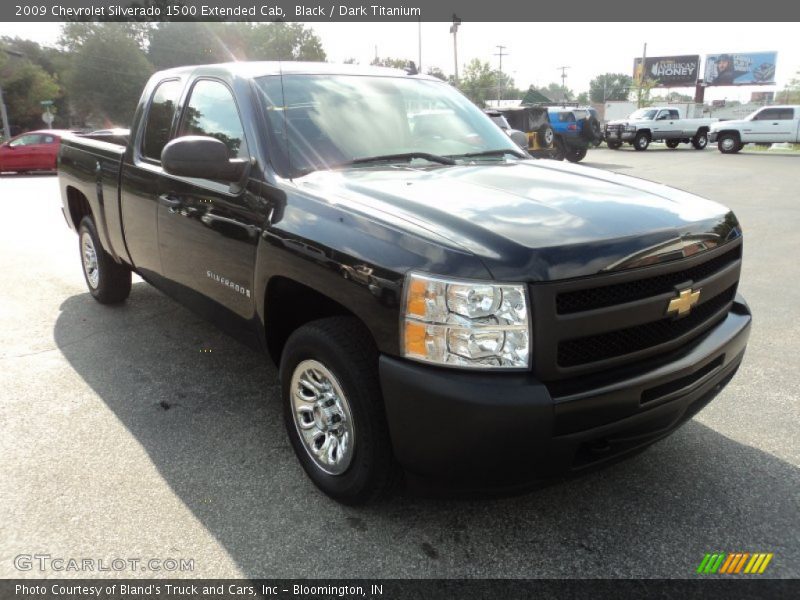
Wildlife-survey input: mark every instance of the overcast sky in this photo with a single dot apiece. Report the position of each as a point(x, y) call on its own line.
point(536, 50)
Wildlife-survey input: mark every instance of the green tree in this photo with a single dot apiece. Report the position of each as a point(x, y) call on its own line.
point(791, 93)
point(558, 93)
point(394, 63)
point(109, 70)
point(583, 98)
point(610, 87)
point(437, 72)
point(480, 82)
point(25, 85)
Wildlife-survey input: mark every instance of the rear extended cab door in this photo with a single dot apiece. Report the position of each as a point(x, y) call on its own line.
point(141, 171)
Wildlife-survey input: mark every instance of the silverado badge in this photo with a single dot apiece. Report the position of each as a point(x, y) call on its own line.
point(684, 302)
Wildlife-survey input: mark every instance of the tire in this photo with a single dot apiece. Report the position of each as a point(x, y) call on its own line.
point(575, 155)
point(108, 281)
point(672, 143)
point(559, 150)
point(545, 136)
point(615, 145)
point(641, 141)
point(729, 143)
point(700, 141)
point(591, 130)
point(343, 355)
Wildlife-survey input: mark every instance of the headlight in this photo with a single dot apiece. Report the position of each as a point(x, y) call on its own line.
point(465, 324)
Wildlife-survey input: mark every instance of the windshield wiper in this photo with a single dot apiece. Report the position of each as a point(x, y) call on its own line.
point(516, 153)
point(445, 160)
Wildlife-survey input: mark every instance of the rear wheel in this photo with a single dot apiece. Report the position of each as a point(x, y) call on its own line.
point(333, 409)
point(729, 143)
point(672, 143)
point(614, 145)
point(109, 282)
point(575, 154)
point(641, 141)
point(700, 141)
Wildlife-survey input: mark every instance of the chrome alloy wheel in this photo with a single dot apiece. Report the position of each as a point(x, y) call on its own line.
point(89, 260)
point(322, 417)
point(728, 143)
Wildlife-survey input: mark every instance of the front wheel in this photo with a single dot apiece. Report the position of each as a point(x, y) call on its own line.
point(700, 141)
point(575, 154)
point(729, 143)
point(641, 141)
point(109, 282)
point(333, 409)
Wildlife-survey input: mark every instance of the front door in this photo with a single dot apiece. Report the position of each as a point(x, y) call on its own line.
point(208, 230)
point(771, 125)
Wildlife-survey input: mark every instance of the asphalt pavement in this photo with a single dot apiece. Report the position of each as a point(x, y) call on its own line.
point(142, 432)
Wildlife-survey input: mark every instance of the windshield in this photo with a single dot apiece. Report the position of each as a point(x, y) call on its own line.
point(644, 114)
point(323, 121)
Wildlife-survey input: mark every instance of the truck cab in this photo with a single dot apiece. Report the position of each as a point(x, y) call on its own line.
point(768, 125)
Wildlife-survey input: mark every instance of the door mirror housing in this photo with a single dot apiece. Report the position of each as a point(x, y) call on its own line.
point(202, 157)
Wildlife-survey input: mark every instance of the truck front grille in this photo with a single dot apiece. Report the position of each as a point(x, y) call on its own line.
point(595, 324)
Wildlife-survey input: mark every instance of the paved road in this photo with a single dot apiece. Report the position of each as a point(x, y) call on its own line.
point(121, 439)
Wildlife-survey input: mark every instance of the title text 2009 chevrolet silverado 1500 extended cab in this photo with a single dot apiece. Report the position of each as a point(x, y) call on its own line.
point(438, 302)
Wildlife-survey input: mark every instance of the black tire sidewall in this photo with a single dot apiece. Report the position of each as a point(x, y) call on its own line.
point(640, 136)
point(114, 280)
point(356, 485)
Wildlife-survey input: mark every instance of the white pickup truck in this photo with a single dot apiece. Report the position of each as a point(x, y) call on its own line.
point(656, 123)
point(768, 125)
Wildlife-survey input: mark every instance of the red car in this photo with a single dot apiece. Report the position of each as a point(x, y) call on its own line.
point(32, 151)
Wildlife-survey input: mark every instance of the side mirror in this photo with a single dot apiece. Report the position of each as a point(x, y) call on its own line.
point(203, 157)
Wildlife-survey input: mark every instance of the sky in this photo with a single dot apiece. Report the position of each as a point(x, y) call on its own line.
point(535, 51)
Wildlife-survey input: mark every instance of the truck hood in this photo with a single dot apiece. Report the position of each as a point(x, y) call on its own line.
point(536, 220)
point(719, 125)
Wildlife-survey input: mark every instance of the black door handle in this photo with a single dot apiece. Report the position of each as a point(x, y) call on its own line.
point(170, 200)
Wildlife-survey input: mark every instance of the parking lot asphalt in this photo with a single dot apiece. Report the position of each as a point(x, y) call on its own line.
point(122, 438)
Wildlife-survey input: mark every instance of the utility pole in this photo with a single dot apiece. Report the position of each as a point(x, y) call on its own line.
point(563, 83)
point(454, 31)
point(500, 54)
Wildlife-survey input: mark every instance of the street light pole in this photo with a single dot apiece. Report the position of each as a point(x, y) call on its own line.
point(454, 31)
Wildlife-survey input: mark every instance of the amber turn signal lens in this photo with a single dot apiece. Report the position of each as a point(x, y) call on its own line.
point(415, 301)
point(414, 339)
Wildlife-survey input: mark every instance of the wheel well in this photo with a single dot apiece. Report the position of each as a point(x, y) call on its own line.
point(78, 206)
point(289, 305)
point(702, 130)
point(647, 131)
point(731, 131)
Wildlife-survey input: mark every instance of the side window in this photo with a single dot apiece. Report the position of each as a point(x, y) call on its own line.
point(48, 139)
point(768, 114)
point(663, 115)
point(159, 118)
point(212, 111)
point(26, 140)
point(787, 114)
point(673, 114)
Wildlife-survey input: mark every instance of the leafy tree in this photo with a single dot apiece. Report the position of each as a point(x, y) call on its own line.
point(394, 63)
point(610, 87)
point(583, 98)
point(791, 93)
point(173, 44)
point(480, 83)
point(558, 93)
point(437, 72)
point(107, 74)
point(25, 84)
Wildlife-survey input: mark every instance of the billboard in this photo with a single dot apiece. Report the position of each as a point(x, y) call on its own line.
point(744, 68)
point(669, 71)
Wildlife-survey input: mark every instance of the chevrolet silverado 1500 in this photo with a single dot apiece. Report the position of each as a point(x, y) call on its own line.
point(438, 303)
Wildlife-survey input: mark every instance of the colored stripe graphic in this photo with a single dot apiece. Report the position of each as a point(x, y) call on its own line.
point(733, 563)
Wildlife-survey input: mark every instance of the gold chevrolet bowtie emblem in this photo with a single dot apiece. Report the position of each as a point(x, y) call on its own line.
point(684, 302)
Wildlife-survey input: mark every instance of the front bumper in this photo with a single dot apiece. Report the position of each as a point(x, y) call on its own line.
point(712, 137)
point(485, 430)
point(616, 136)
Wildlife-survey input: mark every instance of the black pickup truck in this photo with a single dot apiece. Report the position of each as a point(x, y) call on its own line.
point(439, 303)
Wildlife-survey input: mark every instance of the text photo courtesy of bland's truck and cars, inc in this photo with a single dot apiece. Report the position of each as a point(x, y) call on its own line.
point(214, 11)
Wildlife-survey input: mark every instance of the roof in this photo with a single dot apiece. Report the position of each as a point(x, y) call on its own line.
point(252, 69)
